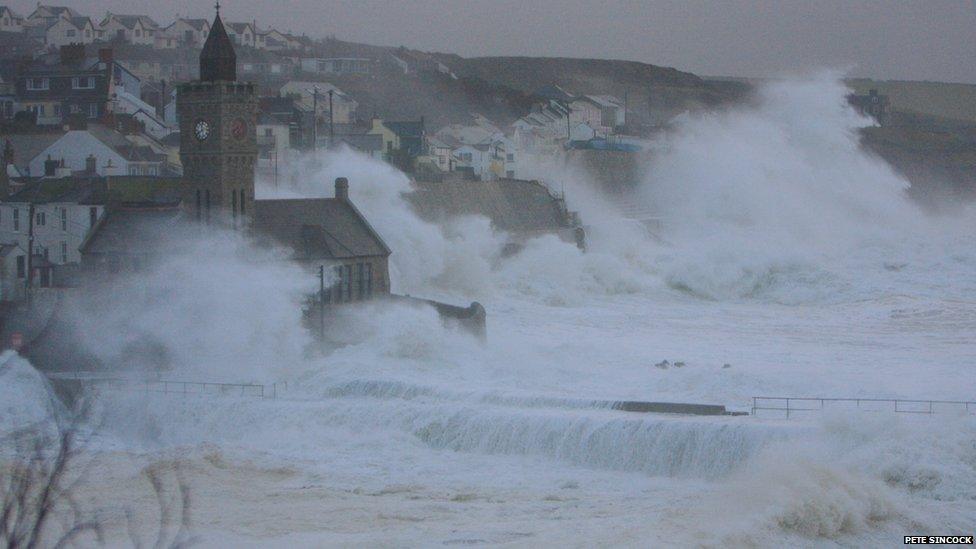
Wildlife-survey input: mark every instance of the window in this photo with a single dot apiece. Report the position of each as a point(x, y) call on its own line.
point(93, 110)
point(40, 219)
point(64, 252)
point(268, 132)
point(337, 284)
point(510, 174)
point(21, 266)
point(87, 33)
point(16, 219)
point(347, 282)
point(368, 267)
point(75, 109)
point(83, 82)
point(57, 110)
point(70, 33)
point(64, 219)
point(38, 83)
point(138, 33)
point(510, 157)
point(361, 280)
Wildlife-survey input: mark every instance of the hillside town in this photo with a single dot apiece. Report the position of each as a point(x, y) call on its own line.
point(89, 117)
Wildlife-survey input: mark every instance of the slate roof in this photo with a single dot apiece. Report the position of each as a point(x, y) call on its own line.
point(362, 142)
point(317, 228)
point(5, 249)
point(405, 128)
point(28, 145)
point(129, 21)
point(134, 231)
point(69, 189)
point(81, 21)
point(217, 59)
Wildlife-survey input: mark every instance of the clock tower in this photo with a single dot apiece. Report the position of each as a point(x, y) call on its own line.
point(218, 144)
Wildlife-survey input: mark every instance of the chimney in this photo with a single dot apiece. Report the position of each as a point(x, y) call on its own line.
point(50, 167)
point(7, 159)
point(342, 189)
point(106, 55)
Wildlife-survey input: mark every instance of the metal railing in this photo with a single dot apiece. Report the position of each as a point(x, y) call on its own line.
point(207, 388)
point(792, 405)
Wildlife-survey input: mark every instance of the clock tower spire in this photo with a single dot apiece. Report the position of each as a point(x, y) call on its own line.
point(218, 144)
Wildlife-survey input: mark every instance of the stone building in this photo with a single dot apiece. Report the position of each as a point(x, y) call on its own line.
point(219, 150)
point(218, 146)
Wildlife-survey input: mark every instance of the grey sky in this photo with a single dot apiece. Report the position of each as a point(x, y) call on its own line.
point(915, 39)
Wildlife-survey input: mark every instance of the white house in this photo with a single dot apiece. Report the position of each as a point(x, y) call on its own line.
point(243, 34)
point(475, 157)
point(188, 32)
point(10, 21)
point(61, 224)
point(344, 107)
point(111, 153)
point(612, 111)
point(337, 65)
point(45, 15)
point(133, 29)
point(442, 153)
point(74, 30)
point(273, 40)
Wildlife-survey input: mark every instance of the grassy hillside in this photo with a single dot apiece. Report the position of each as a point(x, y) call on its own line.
point(944, 100)
point(652, 93)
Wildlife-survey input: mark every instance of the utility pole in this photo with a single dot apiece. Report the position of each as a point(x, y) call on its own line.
point(331, 129)
point(315, 117)
point(30, 251)
point(321, 303)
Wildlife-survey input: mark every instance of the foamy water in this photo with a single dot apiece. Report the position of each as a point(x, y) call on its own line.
point(790, 264)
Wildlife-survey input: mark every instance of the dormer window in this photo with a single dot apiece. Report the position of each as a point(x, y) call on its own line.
point(83, 82)
point(38, 83)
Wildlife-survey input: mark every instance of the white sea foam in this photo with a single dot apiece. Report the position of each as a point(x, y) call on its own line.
point(788, 254)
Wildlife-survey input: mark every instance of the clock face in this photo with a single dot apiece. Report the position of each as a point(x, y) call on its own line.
point(202, 130)
point(238, 128)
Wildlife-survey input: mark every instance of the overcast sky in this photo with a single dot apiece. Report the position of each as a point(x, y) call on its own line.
point(894, 39)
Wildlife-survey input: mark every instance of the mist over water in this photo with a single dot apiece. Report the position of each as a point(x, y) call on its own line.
point(790, 262)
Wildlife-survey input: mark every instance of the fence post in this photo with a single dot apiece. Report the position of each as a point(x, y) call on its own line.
point(753, 405)
point(787, 408)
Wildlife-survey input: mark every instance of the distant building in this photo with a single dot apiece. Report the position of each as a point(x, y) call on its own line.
point(132, 29)
point(242, 34)
point(64, 212)
point(403, 141)
point(219, 151)
point(871, 104)
point(97, 150)
point(344, 106)
point(189, 32)
point(72, 85)
point(341, 66)
point(10, 21)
